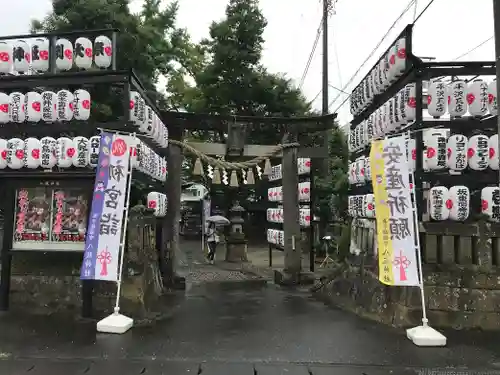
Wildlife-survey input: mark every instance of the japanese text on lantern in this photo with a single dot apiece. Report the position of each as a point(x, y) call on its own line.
point(382, 213)
point(22, 202)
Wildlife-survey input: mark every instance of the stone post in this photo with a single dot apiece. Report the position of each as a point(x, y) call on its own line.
point(236, 243)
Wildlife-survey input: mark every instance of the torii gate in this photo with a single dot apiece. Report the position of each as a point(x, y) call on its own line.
point(290, 128)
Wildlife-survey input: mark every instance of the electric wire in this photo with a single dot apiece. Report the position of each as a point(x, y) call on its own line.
point(311, 55)
point(474, 48)
point(423, 11)
point(372, 53)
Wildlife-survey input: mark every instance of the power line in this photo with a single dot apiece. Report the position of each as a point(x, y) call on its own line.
point(474, 48)
point(373, 51)
point(311, 55)
point(423, 11)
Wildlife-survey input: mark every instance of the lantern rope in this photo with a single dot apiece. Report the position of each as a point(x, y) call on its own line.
point(222, 164)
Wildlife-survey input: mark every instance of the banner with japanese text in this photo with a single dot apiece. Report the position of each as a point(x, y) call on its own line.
point(394, 213)
point(104, 234)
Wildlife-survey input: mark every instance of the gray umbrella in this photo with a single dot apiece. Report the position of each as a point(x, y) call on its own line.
point(218, 219)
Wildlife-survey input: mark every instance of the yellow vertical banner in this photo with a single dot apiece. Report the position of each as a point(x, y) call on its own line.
point(383, 214)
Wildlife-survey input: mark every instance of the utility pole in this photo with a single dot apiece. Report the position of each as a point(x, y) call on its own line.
point(496, 19)
point(326, 11)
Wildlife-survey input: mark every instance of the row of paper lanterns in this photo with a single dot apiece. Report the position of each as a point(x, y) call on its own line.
point(389, 68)
point(276, 237)
point(80, 152)
point(478, 98)
point(47, 106)
point(303, 168)
point(451, 204)
point(157, 202)
point(455, 153)
point(275, 215)
point(20, 56)
point(146, 119)
point(361, 206)
point(275, 194)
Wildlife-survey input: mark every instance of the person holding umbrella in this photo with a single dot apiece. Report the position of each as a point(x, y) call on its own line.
point(212, 241)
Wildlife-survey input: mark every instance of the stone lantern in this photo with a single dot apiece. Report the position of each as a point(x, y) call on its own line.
point(236, 244)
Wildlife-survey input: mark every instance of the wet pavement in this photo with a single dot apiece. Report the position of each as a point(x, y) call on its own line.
point(216, 329)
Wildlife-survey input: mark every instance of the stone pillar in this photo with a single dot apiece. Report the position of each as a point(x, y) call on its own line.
point(236, 243)
point(170, 232)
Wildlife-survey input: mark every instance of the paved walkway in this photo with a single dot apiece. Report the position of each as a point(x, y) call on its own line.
point(246, 331)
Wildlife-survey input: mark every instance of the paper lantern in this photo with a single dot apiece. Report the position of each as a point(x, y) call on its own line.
point(477, 98)
point(391, 58)
point(456, 152)
point(5, 57)
point(379, 125)
point(360, 169)
point(457, 105)
point(439, 203)
point(81, 157)
point(304, 191)
point(400, 63)
point(493, 161)
point(163, 169)
point(478, 152)
point(49, 106)
point(83, 53)
point(367, 170)
point(490, 203)
point(304, 217)
point(411, 102)
point(392, 116)
point(460, 201)
point(15, 153)
point(32, 153)
point(16, 107)
point(4, 108)
point(65, 101)
point(64, 54)
point(94, 143)
point(21, 56)
point(492, 98)
point(147, 122)
point(435, 154)
point(103, 51)
point(40, 54)
point(134, 106)
point(369, 209)
point(279, 193)
point(361, 135)
point(153, 201)
point(436, 99)
point(65, 152)
point(384, 68)
point(304, 166)
point(81, 105)
point(48, 159)
point(33, 106)
point(3, 153)
point(411, 153)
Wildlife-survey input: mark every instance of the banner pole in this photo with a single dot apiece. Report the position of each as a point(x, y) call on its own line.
point(124, 230)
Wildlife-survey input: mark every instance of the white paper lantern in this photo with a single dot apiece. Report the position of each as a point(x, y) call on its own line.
point(437, 99)
point(392, 120)
point(411, 153)
point(5, 57)
point(147, 125)
point(435, 155)
point(391, 58)
point(4, 108)
point(360, 170)
point(478, 152)
point(33, 106)
point(16, 107)
point(32, 153)
point(439, 203)
point(460, 201)
point(304, 217)
point(411, 102)
point(65, 152)
point(49, 106)
point(141, 114)
point(163, 169)
point(400, 64)
point(493, 152)
point(65, 101)
point(15, 153)
point(81, 105)
point(304, 191)
point(369, 201)
point(81, 157)
point(490, 203)
point(456, 154)
point(40, 54)
point(477, 98)
point(103, 51)
point(134, 106)
point(64, 54)
point(153, 200)
point(94, 143)
point(492, 98)
point(48, 159)
point(83, 53)
point(3, 153)
point(457, 106)
point(21, 56)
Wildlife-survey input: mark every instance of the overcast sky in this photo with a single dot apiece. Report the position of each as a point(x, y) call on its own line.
point(447, 29)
